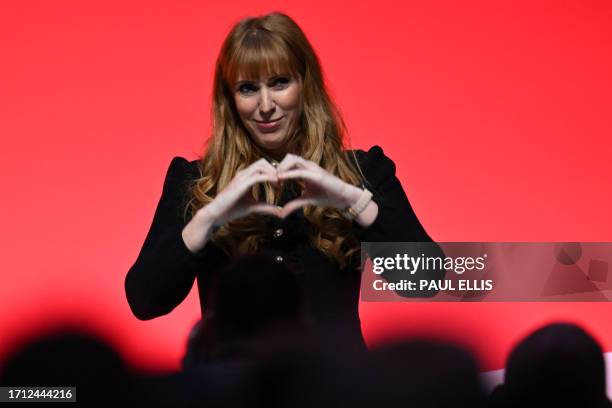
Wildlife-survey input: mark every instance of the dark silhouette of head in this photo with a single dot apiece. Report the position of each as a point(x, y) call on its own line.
point(412, 374)
point(557, 365)
point(424, 373)
point(69, 356)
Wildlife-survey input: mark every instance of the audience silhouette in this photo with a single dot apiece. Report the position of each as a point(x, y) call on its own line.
point(558, 365)
point(255, 348)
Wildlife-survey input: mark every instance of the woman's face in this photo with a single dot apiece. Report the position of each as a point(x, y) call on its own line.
point(269, 110)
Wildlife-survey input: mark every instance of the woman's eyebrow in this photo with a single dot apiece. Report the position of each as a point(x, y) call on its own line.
point(246, 81)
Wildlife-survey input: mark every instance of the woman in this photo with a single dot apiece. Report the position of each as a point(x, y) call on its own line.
point(274, 178)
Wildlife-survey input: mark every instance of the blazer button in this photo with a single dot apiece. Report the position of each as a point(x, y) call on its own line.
point(278, 232)
point(278, 259)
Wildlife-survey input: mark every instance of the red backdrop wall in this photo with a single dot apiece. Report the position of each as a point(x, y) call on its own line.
point(497, 115)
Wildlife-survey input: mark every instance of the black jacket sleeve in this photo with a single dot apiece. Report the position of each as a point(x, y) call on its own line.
point(165, 269)
point(396, 220)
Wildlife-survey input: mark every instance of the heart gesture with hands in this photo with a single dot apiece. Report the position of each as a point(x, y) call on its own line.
point(320, 189)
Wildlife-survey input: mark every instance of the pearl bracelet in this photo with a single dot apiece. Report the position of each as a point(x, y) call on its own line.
point(354, 210)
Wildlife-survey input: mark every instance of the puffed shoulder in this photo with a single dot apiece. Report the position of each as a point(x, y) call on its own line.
point(180, 165)
point(180, 171)
point(376, 166)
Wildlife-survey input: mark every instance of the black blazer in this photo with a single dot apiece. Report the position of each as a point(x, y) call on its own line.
point(165, 269)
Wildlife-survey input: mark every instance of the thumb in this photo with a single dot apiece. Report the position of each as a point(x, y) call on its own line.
point(263, 208)
point(295, 204)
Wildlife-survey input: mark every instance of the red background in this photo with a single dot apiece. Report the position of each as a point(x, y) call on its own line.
point(497, 115)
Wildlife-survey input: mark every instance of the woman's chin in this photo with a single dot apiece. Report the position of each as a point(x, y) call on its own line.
point(272, 144)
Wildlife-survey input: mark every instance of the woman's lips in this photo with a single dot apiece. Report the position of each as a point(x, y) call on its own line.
point(269, 126)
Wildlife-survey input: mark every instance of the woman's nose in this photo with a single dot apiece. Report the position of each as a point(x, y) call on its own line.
point(266, 103)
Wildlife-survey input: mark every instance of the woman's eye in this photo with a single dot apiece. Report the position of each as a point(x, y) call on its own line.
point(245, 89)
point(281, 82)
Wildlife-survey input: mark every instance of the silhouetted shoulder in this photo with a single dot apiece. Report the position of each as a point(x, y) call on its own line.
point(376, 166)
point(180, 166)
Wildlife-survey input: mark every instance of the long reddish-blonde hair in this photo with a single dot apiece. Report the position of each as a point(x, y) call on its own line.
point(264, 46)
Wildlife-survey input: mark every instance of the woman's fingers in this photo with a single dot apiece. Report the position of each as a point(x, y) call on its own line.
point(235, 201)
point(288, 161)
point(296, 204)
point(262, 166)
point(242, 186)
point(260, 178)
point(254, 207)
point(300, 174)
point(263, 208)
point(292, 161)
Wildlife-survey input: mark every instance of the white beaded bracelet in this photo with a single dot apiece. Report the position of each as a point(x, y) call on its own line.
point(354, 210)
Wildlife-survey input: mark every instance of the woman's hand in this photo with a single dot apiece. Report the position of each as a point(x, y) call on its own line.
point(321, 187)
point(235, 200)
